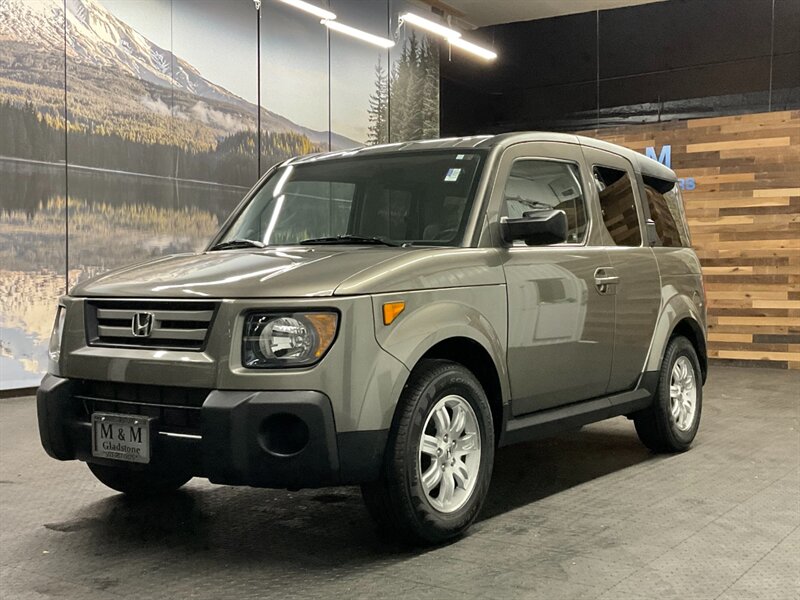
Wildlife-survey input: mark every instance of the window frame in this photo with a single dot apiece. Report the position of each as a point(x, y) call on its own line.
point(641, 217)
point(576, 163)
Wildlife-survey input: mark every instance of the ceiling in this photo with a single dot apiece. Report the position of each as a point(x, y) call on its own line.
point(481, 13)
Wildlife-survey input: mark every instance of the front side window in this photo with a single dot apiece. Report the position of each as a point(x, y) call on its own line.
point(618, 203)
point(536, 184)
point(421, 198)
point(666, 211)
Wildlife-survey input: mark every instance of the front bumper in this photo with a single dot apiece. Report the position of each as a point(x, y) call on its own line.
point(233, 440)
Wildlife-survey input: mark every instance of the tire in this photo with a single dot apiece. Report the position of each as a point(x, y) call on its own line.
point(659, 427)
point(414, 508)
point(138, 483)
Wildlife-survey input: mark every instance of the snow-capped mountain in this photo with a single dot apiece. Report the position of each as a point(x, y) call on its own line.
point(95, 37)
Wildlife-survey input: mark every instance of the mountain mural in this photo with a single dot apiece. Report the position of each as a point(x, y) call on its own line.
point(120, 82)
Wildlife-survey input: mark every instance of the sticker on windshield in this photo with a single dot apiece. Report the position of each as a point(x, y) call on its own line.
point(452, 174)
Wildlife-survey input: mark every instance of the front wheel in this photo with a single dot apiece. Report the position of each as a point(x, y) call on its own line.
point(438, 458)
point(138, 483)
point(670, 423)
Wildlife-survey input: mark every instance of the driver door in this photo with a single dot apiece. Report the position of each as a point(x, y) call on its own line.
point(560, 322)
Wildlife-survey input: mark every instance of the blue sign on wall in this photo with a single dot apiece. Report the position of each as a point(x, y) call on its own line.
point(665, 158)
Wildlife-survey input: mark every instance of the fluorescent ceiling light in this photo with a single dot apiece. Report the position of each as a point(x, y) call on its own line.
point(473, 48)
point(357, 33)
point(310, 8)
point(429, 25)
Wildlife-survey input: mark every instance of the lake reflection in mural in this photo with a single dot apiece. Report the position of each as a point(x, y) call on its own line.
point(141, 218)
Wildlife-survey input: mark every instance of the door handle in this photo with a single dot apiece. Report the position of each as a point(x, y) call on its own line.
point(604, 279)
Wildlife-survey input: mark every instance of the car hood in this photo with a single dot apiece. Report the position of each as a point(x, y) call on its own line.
point(251, 273)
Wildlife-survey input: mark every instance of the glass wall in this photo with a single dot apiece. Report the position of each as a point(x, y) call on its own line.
point(129, 130)
point(295, 80)
point(32, 185)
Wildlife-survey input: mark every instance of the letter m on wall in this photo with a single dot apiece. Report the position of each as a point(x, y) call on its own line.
point(665, 158)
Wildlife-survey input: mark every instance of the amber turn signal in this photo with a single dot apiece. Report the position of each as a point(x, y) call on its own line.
point(391, 310)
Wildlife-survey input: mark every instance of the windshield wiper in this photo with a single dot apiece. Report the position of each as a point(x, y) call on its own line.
point(230, 244)
point(349, 239)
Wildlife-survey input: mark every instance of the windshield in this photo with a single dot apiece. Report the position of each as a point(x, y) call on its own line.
point(421, 198)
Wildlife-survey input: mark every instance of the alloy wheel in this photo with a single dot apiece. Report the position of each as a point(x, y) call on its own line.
point(449, 454)
point(683, 394)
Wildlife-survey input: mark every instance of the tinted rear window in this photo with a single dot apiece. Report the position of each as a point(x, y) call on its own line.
point(618, 204)
point(666, 210)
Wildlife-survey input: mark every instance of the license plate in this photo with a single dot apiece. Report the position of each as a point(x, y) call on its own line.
point(121, 437)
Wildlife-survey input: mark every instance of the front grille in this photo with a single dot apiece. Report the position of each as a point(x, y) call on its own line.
point(177, 410)
point(167, 324)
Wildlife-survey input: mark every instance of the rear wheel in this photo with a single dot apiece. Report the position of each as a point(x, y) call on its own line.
point(438, 458)
point(670, 423)
point(138, 483)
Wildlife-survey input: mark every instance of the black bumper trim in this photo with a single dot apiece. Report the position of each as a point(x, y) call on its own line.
point(361, 455)
point(55, 411)
point(230, 448)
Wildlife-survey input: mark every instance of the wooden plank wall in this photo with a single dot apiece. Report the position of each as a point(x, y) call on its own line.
point(744, 217)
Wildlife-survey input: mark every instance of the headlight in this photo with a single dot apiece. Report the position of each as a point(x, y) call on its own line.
point(273, 340)
point(54, 349)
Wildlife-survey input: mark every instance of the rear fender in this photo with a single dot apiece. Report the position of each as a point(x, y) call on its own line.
point(677, 305)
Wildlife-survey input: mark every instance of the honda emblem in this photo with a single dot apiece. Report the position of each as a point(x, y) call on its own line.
point(142, 324)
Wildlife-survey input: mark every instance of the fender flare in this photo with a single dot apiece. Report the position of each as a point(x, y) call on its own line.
point(676, 309)
point(409, 342)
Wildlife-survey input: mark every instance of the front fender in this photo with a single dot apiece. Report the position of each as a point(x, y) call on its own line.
point(431, 316)
point(678, 303)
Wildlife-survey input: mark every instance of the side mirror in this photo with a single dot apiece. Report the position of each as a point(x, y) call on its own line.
point(536, 228)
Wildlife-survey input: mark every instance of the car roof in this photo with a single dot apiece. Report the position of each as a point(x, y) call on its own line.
point(642, 163)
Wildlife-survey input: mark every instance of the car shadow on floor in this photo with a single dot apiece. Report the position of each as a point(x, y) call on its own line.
point(525, 473)
point(326, 529)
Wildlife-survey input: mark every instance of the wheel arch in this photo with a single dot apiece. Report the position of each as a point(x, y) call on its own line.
point(691, 330)
point(471, 354)
point(465, 325)
point(679, 316)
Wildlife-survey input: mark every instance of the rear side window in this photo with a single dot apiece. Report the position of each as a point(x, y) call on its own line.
point(666, 211)
point(618, 204)
point(535, 185)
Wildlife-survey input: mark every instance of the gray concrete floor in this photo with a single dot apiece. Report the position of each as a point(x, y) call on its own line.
point(590, 514)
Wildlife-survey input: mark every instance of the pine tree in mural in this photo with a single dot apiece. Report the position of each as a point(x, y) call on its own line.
point(411, 128)
point(378, 131)
point(430, 91)
point(399, 106)
point(412, 94)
